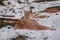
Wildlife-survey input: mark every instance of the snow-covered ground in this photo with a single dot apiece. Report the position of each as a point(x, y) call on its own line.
point(18, 9)
point(8, 32)
point(53, 20)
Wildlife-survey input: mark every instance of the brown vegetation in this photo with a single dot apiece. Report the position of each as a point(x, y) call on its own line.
point(38, 1)
point(42, 16)
point(30, 23)
point(19, 38)
point(1, 2)
point(52, 9)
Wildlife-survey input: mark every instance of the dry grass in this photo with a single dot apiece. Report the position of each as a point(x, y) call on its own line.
point(19, 38)
point(52, 9)
point(30, 23)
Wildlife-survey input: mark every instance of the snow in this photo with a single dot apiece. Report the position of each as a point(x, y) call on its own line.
point(43, 5)
point(6, 34)
point(53, 20)
point(34, 34)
